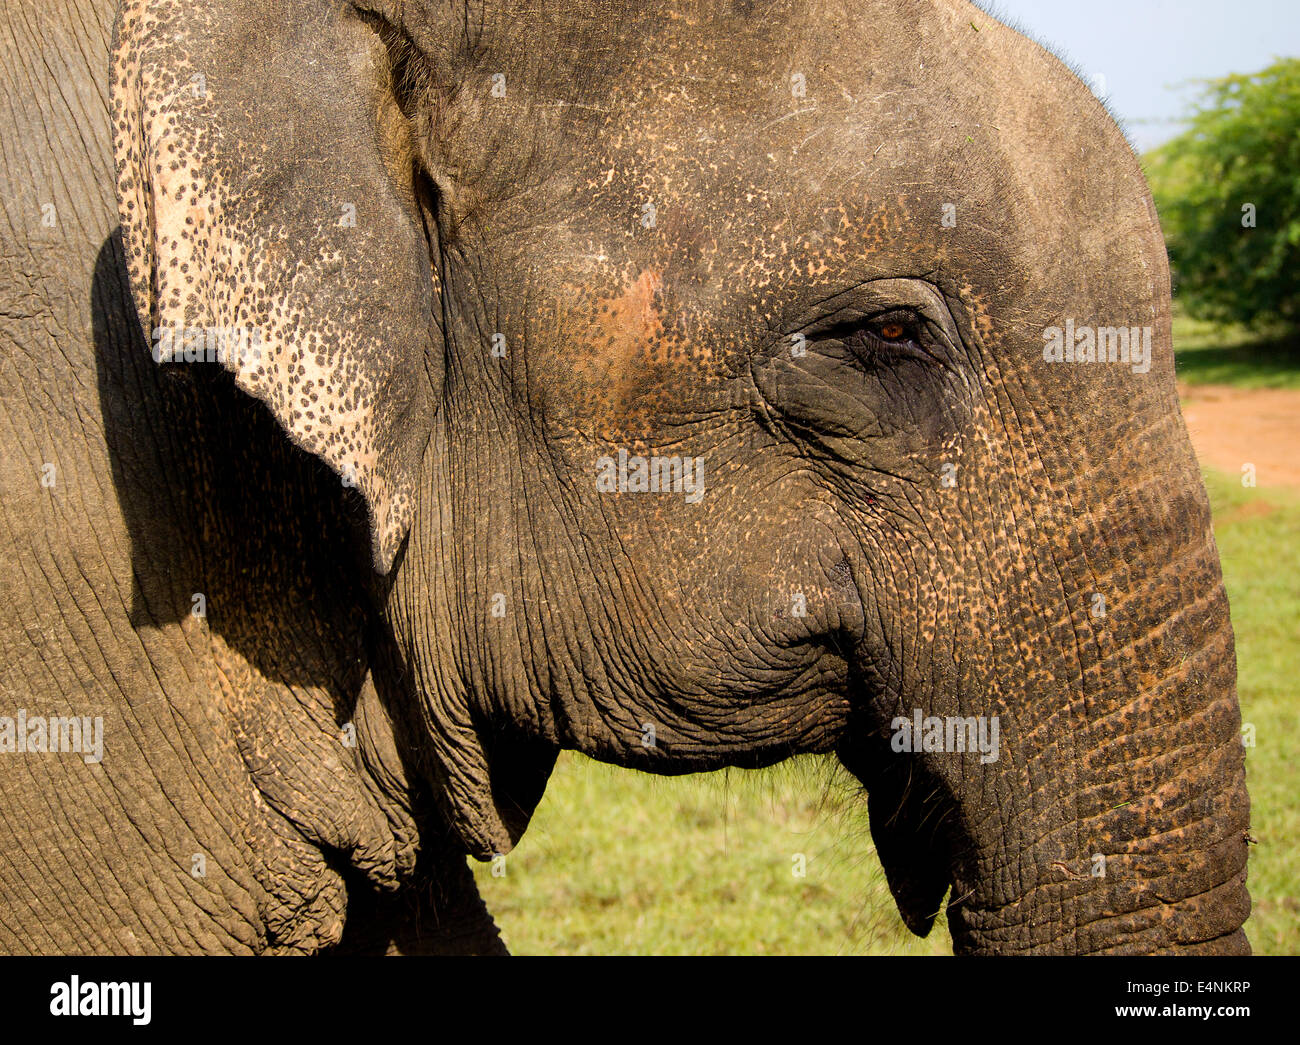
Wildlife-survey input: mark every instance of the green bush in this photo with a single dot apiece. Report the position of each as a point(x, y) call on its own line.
point(1228, 191)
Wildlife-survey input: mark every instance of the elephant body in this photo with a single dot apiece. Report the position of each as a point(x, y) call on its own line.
point(673, 386)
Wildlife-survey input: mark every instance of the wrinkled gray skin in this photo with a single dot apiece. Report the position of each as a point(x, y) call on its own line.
point(908, 508)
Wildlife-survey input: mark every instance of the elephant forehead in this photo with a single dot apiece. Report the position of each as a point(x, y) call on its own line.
point(767, 145)
point(735, 173)
point(749, 204)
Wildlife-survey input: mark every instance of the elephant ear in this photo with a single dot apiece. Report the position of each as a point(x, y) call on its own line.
point(271, 217)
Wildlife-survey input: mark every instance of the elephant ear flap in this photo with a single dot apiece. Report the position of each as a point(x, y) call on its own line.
point(270, 224)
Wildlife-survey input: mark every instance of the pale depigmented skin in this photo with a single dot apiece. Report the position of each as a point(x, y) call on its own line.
point(210, 242)
point(673, 337)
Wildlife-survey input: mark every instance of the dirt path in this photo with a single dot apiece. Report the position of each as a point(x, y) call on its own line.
point(1233, 426)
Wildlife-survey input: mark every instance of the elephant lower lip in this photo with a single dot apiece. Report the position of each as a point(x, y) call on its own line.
point(910, 816)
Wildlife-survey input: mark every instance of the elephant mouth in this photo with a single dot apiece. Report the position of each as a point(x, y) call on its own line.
point(914, 820)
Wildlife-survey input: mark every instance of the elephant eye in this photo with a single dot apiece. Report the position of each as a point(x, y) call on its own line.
point(879, 336)
point(886, 338)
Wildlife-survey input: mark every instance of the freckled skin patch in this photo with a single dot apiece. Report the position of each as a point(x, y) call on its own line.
point(645, 217)
point(210, 244)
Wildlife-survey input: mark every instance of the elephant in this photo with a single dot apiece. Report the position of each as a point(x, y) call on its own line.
point(399, 394)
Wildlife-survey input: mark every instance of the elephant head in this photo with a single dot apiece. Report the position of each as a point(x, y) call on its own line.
point(726, 381)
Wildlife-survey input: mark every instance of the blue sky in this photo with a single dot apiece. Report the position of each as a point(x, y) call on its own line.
point(1145, 49)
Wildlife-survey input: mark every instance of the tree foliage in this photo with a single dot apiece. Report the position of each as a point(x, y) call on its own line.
point(1228, 191)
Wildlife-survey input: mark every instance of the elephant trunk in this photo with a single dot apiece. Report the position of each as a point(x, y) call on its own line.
point(1113, 815)
point(1132, 833)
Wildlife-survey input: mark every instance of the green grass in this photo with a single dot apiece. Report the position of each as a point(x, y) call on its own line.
point(618, 862)
point(1224, 354)
point(1258, 533)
